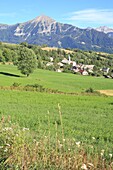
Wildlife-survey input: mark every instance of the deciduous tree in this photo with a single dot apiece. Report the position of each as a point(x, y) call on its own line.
point(27, 61)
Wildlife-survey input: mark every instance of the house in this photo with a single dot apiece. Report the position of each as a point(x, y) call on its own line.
point(49, 64)
point(105, 70)
point(112, 75)
point(59, 70)
point(89, 67)
point(107, 76)
point(65, 61)
point(84, 73)
point(74, 63)
point(60, 64)
point(76, 70)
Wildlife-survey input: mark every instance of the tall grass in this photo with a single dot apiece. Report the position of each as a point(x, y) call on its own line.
point(22, 149)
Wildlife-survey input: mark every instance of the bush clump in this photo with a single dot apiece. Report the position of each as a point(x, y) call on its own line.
point(90, 90)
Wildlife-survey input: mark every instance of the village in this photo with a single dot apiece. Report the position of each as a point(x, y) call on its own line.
point(80, 68)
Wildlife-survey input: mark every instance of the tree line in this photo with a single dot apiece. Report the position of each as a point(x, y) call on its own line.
point(28, 57)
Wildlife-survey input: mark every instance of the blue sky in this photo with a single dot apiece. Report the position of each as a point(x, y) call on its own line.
point(81, 13)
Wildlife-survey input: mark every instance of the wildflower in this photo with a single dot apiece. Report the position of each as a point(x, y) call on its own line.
point(34, 140)
point(1, 147)
point(102, 150)
point(37, 143)
point(64, 140)
point(6, 150)
point(24, 129)
point(69, 159)
point(110, 155)
point(93, 138)
point(7, 128)
point(78, 144)
point(60, 145)
point(91, 147)
point(102, 153)
point(8, 144)
point(90, 164)
point(84, 167)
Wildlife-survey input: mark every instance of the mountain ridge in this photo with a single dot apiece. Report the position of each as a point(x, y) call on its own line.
point(45, 30)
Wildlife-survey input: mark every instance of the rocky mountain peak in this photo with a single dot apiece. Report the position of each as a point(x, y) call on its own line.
point(43, 19)
point(104, 29)
point(45, 30)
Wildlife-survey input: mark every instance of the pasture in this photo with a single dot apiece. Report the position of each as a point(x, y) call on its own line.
point(86, 118)
point(64, 82)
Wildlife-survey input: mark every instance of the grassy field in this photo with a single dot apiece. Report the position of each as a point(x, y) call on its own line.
point(82, 115)
point(86, 118)
point(62, 81)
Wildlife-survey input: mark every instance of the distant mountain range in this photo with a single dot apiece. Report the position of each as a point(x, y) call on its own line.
point(45, 30)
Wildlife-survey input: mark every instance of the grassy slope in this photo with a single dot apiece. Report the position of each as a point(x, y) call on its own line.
point(61, 81)
point(83, 116)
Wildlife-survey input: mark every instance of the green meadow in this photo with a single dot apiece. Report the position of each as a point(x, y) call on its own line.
point(64, 82)
point(84, 116)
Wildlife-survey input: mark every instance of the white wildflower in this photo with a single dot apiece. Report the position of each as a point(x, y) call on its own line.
point(91, 147)
point(64, 140)
point(90, 164)
point(102, 150)
point(34, 140)
point(37, 143)
point(24, 129)
point(7, 144)
point(78, 143)
point(102, 153)
point(110, 155)
point(84, 167)
point(60, 145)
point(93, 138)
point(69, 159)
point(6, 150)
point(1, 147)
point(7, 128)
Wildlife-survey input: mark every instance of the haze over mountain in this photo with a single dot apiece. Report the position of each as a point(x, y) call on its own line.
point(45, 30)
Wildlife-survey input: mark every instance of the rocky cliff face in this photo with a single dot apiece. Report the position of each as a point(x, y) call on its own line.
point(45, 30)
point(106, 30)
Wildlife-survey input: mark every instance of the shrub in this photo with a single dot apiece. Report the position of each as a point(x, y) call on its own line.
point(90, 90)
point(16, 84)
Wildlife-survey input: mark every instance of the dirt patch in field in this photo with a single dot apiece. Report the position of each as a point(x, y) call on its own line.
point(107, 92)
point(53, 48)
